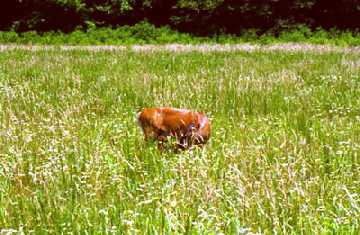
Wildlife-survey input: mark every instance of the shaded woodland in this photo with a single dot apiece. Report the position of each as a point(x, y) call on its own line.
point(201, 17)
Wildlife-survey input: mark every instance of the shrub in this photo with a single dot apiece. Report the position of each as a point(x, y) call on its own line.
point(145, 32)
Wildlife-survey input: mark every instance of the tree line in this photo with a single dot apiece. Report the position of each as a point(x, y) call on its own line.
point(199, 17)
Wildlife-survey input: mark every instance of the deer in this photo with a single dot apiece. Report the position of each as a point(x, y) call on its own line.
point(188, 127)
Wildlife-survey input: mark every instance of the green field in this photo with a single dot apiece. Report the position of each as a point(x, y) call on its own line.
point(283, 156)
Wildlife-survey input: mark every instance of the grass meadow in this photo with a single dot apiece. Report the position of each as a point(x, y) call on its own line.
point(283, 157)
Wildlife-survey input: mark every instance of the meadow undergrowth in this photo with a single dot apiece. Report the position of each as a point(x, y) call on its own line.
point(146, 33)
point(283, 156)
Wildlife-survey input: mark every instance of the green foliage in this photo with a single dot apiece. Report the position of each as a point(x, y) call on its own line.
point(9, 37)
point(76, 4)
point(296, 34)
point(146, 33)
point(199, 17)
point(199, 4)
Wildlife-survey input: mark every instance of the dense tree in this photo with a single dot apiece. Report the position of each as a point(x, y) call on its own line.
point(202, 17)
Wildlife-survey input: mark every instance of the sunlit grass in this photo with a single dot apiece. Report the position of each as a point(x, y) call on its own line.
point(283, 156)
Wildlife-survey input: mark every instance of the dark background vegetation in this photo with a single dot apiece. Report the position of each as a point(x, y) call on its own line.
point(198, 17)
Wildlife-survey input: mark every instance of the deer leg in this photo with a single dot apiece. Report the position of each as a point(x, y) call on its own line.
point(161, 138)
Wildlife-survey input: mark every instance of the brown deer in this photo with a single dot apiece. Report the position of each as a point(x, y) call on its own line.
point(188, 127)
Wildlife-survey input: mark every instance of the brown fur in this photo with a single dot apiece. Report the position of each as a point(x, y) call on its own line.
point(188, 127)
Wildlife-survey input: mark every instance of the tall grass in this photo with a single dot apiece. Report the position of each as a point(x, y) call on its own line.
point(283, 155)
